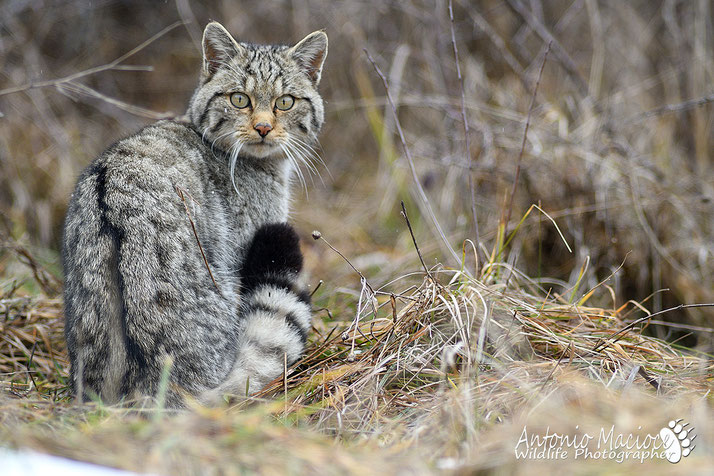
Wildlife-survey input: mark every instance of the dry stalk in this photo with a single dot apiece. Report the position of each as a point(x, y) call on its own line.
point(467, 138)
point(426, 205)
point(180, 193)
point(113, 65)
point(525, 137)
point(672, 108)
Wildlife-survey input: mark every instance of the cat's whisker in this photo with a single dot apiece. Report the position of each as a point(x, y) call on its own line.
point(309, 164)
point(233, 159)
point(306, 144)
point(313, 153)
point(295, 166)
point(314, 141)
point(302, 156)
point(304, 150)
point(299, 174)
point(307, 159)
point(213, 142)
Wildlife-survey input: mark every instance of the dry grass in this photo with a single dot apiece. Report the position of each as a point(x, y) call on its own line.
point(429, 362)
point(442, 375)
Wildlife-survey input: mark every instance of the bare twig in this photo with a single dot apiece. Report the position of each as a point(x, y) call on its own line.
point(648, 378)
point(411, 232)
point(87, 72)
point(130, 108)
point(560, 53)
point(316, 288)
point(465, 120)
point(50, 284)
point(621, 333)
point(28, 364)
point(193, 227)
point(285, 379)
point(498, 42)
point(189, 20)
point(420, 190)
point(671, 108)
point(560, 359)
point(677, 325)
point(525, 137)
point(316, 235)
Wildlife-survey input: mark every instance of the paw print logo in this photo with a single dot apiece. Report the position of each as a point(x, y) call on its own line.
point(677, 440)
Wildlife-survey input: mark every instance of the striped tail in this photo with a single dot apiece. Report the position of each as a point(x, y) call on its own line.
point(275, 312)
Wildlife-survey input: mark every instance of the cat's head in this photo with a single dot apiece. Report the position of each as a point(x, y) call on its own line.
point(256, 100)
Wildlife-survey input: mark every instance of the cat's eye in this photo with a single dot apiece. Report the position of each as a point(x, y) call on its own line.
point(240, 100)
point(285, 102)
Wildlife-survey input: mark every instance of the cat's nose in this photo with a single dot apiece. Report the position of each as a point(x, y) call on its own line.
point(263, 128)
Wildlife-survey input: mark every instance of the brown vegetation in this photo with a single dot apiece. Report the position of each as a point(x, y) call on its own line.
point(413, 365)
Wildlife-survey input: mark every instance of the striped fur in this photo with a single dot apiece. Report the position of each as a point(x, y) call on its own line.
point(175, 249)
point(276, 312)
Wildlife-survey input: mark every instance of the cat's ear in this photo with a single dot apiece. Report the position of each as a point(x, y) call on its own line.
point(218, 47)
point(310, 53)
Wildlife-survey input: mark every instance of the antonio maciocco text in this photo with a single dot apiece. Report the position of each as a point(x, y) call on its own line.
point(610, 446)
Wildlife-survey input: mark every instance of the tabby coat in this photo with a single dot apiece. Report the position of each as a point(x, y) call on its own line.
point(176, 254)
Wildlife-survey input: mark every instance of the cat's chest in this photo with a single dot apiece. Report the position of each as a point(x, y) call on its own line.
point(255, 200)
point(230, 216)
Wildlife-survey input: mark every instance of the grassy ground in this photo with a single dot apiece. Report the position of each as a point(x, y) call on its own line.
point(420, 361)
point(443, 377)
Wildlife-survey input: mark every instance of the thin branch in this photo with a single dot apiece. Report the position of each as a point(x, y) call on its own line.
point(50, 284)
point(676, 325)
point(193, 227)
point(648, 378)
point(189, 20)
point(560, 53)
point(465, 121)
point(316, 288)
point(670, 108)
point(422, 195)
point(134, 67)
point(87, 72)
point(411, 232)
point(560, 359)
point(130, 108)
point(316, 235)
point(498, 42)
point(621, 333)
point(525, 136)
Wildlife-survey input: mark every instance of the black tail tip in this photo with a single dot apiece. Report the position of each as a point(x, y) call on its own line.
point(275, 249)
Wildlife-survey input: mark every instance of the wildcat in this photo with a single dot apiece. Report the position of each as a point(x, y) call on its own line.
point(175, 250)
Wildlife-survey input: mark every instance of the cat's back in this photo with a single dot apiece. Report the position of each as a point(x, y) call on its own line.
point(139, 172)
point(129, 251)
point(159, 153)
point(128, 197)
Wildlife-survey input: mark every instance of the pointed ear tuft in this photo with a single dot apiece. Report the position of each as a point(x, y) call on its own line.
point(310, 53)
point(218, 47)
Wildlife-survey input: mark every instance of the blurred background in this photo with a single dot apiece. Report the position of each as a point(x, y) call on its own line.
point(618, 151)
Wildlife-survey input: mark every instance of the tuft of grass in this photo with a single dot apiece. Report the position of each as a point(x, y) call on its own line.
point(413, 366)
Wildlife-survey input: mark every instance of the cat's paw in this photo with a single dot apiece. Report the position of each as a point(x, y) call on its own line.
point(274, 250)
